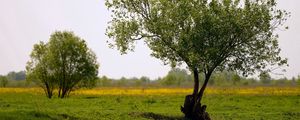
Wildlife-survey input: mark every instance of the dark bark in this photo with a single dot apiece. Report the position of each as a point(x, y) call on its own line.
point(196, 82)
point(49, 94)
point(193, 110)
point(192, 106)
point(59, 91)
point(190, 100)
point(201, 92)
point(187, 108)
point(63, 94)
point(48, 90)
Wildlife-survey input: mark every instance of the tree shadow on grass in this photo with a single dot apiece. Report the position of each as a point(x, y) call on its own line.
point(26, 115)
point(154, 116)
point(41, 115)
point(91, 97)
point(62, 116)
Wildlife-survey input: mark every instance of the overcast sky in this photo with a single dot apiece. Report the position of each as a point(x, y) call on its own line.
point(25, 22)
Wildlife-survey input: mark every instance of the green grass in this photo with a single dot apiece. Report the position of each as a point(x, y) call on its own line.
point(25, 106)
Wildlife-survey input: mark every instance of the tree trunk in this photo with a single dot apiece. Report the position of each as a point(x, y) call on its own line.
point(48, 91)
point(49, 94)
point(192, 106)
point(196, 82)
point(207, 76)
point(65, 92)
point(59, 91)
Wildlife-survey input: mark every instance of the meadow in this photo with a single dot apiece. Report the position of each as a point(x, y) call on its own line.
point(245, 103)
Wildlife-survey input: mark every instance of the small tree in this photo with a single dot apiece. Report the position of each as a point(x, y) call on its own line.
point(236, 79)
point(145, 80)
point(11, 75)
point(64, 62)
point(38, 69)
point(104, 81)
point(175, 76)
point(3, 81)
point(298, 80)
point(205, 35)
point(265, 78)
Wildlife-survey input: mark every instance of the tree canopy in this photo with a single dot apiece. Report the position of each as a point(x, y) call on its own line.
point(205, 35)
point(64, 62)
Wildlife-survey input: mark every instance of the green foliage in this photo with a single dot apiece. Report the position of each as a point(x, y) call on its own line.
point(3, 81)
point(205, 35)
point(65, 62)
point(177, 77)
point(124, 82)
point(231, 78)
point(298, 80)
point(38, 69)
point(236, 35)
point(145, 80)
point(265, 78)
point(236, 79)
point(104, 81)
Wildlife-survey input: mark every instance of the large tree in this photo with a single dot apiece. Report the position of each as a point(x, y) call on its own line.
point(205, 35)
point(64, 62)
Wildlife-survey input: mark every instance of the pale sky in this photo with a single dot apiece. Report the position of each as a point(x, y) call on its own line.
point(26, 22)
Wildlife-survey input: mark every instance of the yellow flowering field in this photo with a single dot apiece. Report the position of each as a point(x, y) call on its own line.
point(169, 91)
point(21, 90)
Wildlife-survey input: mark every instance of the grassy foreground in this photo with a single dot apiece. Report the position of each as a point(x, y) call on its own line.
point(143, 104)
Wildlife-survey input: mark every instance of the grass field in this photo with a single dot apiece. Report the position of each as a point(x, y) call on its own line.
point(268, 103)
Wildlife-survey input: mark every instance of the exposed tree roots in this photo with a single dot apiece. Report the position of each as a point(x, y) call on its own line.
point(193, 110)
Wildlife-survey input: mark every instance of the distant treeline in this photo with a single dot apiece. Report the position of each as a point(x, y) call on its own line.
point(21, 75)
point(175, 78)
point(181, 78)
point(13, 79)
